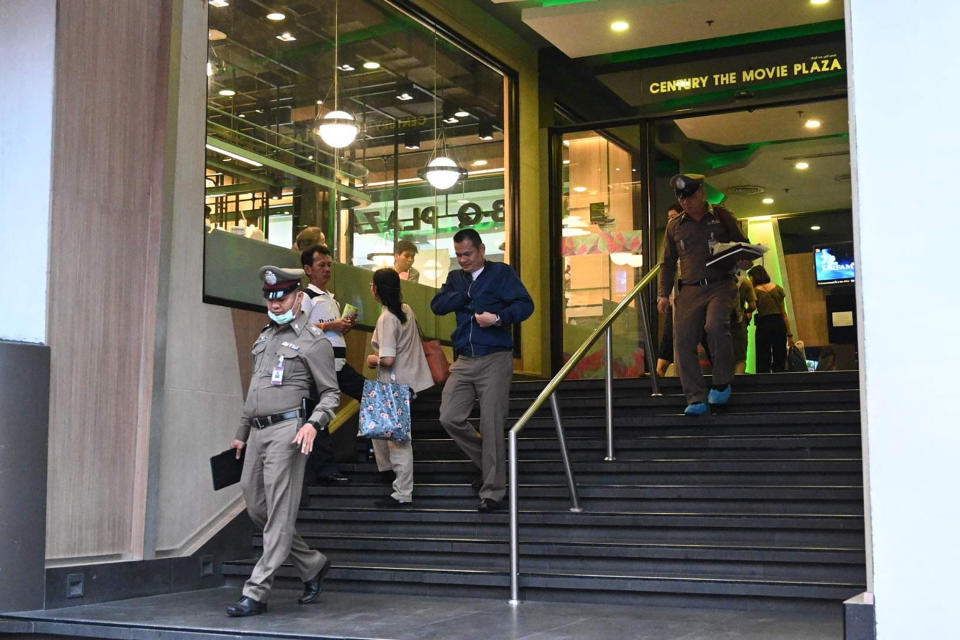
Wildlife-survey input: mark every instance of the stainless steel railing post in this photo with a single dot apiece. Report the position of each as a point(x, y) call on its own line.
point(608, 389)
point(571, 482)
point(649, 348)
point(514, 524)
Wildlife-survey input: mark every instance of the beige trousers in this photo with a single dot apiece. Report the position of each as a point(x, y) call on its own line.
point(699, 309)
point(486, 378)
point(399, 457)
point(271, 482)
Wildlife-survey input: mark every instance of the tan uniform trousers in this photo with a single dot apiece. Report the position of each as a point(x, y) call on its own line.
point(486, 378)
point(699, 309)
point(399, 457)
point(271, 482)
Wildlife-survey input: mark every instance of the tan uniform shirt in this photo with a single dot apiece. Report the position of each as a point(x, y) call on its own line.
point(690, 242)
point(308, 372)
point(391, 339)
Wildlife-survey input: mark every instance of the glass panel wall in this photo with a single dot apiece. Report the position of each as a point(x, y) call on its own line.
point(601, 246)
point(274, 77)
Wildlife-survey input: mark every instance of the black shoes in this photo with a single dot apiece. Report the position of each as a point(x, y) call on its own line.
point(386, 477)
point(334, 480)
point(489, 505)
point(313, 586)
point(246, 607)
point(391, 503)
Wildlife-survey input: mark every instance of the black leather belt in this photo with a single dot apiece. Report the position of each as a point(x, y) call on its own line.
point(260, 422)
point(703, 282)
point(339, 352)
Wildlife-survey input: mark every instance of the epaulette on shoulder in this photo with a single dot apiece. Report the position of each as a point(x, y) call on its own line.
point(265, 327)
point(315, 331)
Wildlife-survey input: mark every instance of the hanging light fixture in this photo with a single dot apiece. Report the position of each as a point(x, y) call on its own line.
point(441, 171)
point(337, 128)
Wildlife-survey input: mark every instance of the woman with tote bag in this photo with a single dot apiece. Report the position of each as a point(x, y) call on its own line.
point(398, 357)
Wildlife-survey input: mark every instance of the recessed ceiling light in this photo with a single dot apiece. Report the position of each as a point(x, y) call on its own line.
point(309, 157)
point(347, 67)
point(216, 34)
point(566, 162)
point(767, 201)
point(579, 189)
point(566, 143)
point(619, 26)
point(451, 120)
point(319, 101)
point(404, 97)
point(370, 65)
point(219, 4)
point(286, 36)
point(815, 227)
point(479, 163)
point(802, 165)
point(227, 92)
point(812, 123)
point(276, 16)
point(819, 2)
point(460, 113)
point(242, 115)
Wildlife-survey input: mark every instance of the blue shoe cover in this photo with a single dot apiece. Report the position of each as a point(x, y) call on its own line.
point(696, 409)
point(719, 397)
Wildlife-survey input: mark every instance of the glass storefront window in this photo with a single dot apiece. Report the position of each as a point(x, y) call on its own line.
point(601, 246)
point(414, 95)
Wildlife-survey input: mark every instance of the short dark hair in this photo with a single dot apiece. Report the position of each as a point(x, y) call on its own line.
point(403, 246)
point(306, 256)
point(758, 274)
point(310, 237)
point(468, 234)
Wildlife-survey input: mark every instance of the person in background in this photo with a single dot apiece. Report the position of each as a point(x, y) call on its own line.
point(772, 322)
point(705, 295)
point(308, 238)
point(403, 257)
point(324, 313)
point(487, 297)
point(665, 353)
point(398, 357)
point(740, 319)
point(292, 363)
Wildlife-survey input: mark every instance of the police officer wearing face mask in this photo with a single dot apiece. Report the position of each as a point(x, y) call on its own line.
point(292, 361)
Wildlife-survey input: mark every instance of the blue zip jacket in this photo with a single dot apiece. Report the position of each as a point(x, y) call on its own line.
point(498, 290)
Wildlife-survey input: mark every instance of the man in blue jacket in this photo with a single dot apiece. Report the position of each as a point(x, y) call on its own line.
point(488, 298)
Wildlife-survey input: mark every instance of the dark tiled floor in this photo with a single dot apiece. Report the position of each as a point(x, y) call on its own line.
point(199, 615)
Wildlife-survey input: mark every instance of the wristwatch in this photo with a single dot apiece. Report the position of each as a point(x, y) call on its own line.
point(498, 322)
point(318, 429)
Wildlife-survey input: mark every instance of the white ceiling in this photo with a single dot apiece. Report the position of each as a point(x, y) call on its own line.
point(583, 29)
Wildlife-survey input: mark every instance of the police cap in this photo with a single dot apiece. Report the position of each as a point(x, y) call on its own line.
point(278, 281)
point(685, 185)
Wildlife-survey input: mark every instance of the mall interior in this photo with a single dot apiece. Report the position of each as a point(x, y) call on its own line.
point(155, 153)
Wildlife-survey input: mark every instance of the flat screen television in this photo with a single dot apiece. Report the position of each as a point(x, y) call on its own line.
point(834, 264)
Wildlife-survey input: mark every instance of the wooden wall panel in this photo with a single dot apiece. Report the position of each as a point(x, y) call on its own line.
point(810, 306)
point(109, 127)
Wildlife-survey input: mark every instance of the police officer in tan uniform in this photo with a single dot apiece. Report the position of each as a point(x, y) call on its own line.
point(292, 361)
point(705, 296)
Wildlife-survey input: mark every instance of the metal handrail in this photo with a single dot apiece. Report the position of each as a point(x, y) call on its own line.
point(548, 393)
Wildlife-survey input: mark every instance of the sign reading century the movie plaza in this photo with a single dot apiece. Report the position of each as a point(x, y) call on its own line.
point(469, 214)
point(735, 72)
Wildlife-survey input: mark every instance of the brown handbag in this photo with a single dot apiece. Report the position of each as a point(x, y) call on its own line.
point(436, 358)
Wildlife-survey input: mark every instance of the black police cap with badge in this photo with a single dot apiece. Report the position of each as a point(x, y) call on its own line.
point(685, 185)
point(278, 282)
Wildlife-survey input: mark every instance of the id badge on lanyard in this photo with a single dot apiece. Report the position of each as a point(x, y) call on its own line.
point(277, 378)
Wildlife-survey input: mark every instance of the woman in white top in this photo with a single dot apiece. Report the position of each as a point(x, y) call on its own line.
point(398, 351)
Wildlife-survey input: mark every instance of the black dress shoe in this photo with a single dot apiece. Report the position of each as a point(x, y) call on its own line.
point(489, 505)
point(386, 477)
point(313, 586)
point(246, 607)
point(391, 503)
point(335, 479)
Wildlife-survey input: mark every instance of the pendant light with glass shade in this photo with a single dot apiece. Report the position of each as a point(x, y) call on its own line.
point(337, 128)
point(442, 171)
